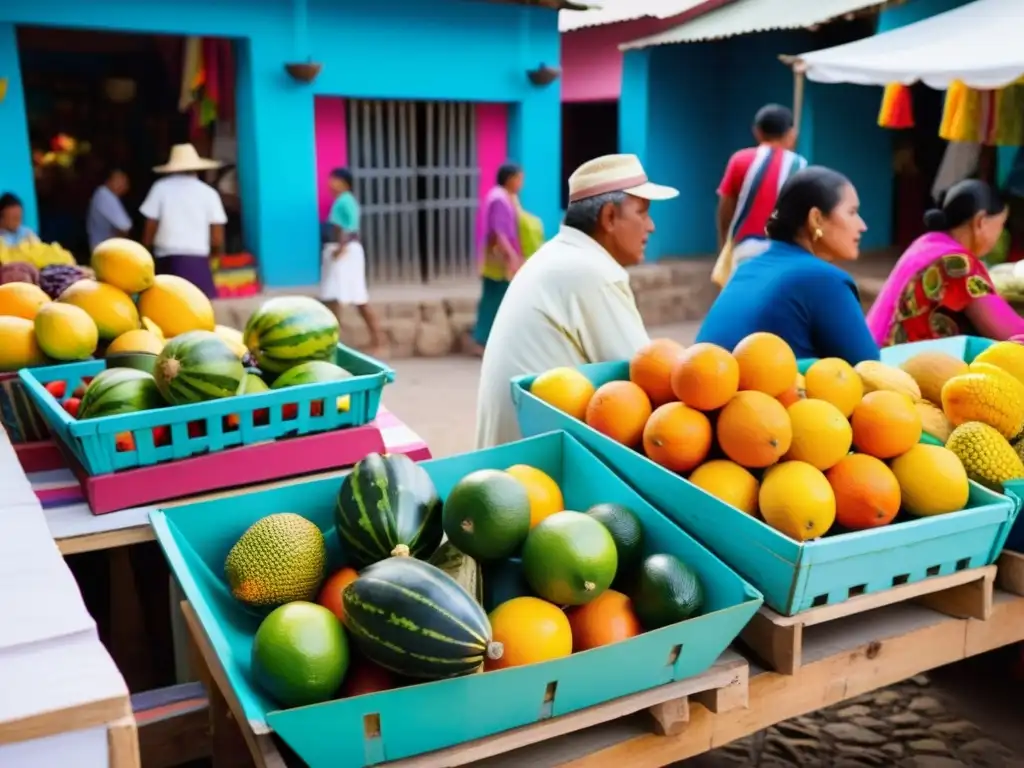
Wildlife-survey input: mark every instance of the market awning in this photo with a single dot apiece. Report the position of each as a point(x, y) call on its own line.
point(745, 16)
point(616, 11)
point(979, 44)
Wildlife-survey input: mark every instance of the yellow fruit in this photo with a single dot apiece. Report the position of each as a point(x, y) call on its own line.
point(530, 630)
point(931, 370)
point(1007, 355)
point(22, 300)
point(177, 306)
point(728, 481)
point(821, 434)
point(835, 381)
point(153, 328)
point(566, 389)
point(797, 500)
point(876, 375)
point(66, 332)
point(18, 345)
point(139, 340)
point(111, 309)
point(933, 421)
point(544, 493)
point(124, 264)
point(992, 397)
point(932, 480)
point(233, 338)
point(986, 455)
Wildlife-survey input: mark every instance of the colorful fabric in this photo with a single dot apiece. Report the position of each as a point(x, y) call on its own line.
point(531, 232)
point(992, 117)
point(897, 109)
point(490, 299)
point(498, 218)
point(754, 177)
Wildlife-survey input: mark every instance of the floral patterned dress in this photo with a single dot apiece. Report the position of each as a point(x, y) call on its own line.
point(933, 303)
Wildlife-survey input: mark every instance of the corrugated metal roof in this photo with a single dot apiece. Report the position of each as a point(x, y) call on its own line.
point(745, 16)
point(615, 11)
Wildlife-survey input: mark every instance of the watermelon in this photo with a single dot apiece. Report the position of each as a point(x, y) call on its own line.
point(289, 330)
point(198, 366)
point(414, 619)
point(387, 506)
point(119, 390)
point(313, 372)
point(252, 384)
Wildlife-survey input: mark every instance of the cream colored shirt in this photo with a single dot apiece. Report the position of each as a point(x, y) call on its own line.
point(570, 304)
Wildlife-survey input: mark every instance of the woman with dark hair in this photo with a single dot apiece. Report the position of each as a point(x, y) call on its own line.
point(12, 228)
point(939, 286)
point(793, 289)
point(506, 237)
point(343, 268)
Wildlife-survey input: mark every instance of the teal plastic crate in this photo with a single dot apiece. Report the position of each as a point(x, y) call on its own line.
point(435, 715)
point(794, 576)
point(93, 441)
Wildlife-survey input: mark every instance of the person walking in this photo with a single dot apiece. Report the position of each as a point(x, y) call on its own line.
point(106, 217)
point(343, 260)
point(184, 218)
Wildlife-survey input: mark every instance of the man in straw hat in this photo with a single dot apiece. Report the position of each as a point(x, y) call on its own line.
point(571, 303)
point(184, 218)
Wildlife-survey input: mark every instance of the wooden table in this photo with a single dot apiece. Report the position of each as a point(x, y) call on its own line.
point(842, 659)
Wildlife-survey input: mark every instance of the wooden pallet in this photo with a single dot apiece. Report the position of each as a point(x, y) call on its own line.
point(1010, 577)
point(778, 640)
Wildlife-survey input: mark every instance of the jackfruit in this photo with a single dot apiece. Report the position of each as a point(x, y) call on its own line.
point(1007, 355)
point(986, 394)
point(987, 456)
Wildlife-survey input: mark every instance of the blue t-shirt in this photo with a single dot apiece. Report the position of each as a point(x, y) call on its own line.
point(345, 213)
point(787, 291)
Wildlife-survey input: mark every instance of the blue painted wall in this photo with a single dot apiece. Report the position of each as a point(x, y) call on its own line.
point(389, 49)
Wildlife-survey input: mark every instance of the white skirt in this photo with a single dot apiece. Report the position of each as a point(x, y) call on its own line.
point(344, 279)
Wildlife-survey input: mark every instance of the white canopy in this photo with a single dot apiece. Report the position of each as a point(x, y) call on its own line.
point(615, 11)
point(981, 43)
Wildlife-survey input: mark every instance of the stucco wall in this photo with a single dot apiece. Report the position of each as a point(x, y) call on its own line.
point(449, 49)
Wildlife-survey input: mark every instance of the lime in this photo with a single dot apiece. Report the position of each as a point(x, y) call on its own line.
point(666, 591)
point(569, 558)
point(300, 654)
point(624, 526)
point(487, 514)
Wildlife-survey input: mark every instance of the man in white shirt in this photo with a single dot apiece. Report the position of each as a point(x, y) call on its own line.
point(106, 217)
point(571, 303)
point(184, 219)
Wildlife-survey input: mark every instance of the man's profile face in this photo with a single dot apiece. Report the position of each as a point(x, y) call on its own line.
point(628, 226)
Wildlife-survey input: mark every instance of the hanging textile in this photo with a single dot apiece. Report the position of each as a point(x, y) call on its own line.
point(191, 73)
point(897, 108)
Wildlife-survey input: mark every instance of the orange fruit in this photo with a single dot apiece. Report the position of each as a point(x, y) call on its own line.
point(821, 434)
point(677, 437)
point(867, 492)
point(566, 389)
point(885, 424)
point(754, 430)
point(835, 380)
point(544, 494)
point(705, 377)
point(797, 500)
point(728, 481)
point(530, 630)
point(766, 362)
point(330, 592)
point(22, 300)
point(651, 369)
point(797, 392)
point(619, 409)
point(607, 619)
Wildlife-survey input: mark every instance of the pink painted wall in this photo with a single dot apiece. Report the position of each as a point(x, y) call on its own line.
point(491, 143)
point(331, 145)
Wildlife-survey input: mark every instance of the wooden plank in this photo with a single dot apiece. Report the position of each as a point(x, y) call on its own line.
point(123, 744)
point(91, 542)
point(778, 640)
point(1011, 572)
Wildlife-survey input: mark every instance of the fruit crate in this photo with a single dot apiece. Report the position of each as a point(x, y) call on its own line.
point(201, 428)
point(794, 576)
point(435, 715)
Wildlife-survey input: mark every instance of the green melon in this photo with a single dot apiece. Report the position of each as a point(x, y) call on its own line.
point(313, 372)
point(119, 390)
point(198, 366)
point(289, 330)
point(667, 591)
point(487, 515)
point(569, 558)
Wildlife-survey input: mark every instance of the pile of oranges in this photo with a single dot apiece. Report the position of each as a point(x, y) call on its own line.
point(805, 453)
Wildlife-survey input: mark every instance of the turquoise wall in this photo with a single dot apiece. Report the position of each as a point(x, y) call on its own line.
point(390, 49)
point(686, 108)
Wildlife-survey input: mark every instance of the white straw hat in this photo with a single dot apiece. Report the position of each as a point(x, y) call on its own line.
point(185, 159)
point(615, 173)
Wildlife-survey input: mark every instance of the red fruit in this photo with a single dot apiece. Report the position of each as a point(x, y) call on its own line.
point(330, 592)
point(161, 436)
point(261, 417)
point(289, 411)
point(232, 422)
point(124, 441)
point(366, 677)
point(197, 429)
point(71, 406)
point(86, 380)
point(316, 408)
point(56, 388)
point(79, 391)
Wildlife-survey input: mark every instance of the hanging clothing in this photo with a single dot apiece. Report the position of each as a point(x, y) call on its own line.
point(959, 162)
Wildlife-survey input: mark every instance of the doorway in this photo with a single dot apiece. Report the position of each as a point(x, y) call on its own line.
point(589, 129)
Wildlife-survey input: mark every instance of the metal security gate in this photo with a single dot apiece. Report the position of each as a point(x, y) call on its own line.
point(417, 181)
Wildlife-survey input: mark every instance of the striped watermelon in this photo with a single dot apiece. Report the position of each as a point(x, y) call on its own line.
point(387, 505)
point(313, 372)
point(198, 366)
point(414, 619)
point(119, 390)
point(289, 330)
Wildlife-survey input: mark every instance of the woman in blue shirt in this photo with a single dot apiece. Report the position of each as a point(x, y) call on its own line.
point(793, 289)
point(12, 230)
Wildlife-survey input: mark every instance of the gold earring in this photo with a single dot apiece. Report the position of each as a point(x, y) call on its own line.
point(818, 234)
